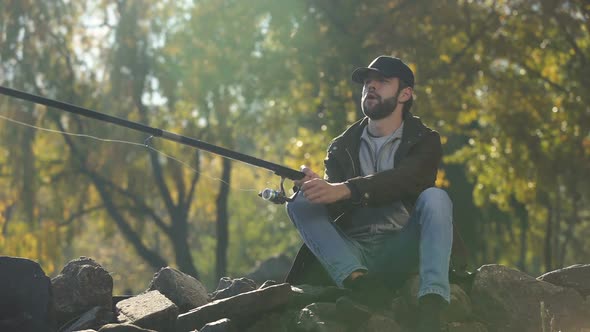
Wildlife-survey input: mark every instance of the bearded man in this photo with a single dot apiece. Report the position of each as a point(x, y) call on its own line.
point(375, 217)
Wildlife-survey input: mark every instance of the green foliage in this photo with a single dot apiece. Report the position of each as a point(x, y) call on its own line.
point(504, 82)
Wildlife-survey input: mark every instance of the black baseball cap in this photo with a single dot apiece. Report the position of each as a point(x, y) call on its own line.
point(387, 66)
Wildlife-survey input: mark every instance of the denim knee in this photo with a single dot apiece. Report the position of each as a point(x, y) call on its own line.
point(300, 209)
point(299, 204)
point(434, 200)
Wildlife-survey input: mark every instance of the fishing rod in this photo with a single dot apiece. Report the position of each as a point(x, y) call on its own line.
point(275, 196)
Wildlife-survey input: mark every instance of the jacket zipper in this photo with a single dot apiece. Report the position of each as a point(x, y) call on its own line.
point(351, 161)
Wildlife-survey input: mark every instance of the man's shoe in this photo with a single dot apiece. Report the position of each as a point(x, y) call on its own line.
point(429, 310)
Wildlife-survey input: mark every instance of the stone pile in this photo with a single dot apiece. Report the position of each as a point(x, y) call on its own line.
point(80, 298)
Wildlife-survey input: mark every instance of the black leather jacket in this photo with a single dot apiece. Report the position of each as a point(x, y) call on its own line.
point(416, 163)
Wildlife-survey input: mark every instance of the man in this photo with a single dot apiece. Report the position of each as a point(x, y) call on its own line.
point(379, 188)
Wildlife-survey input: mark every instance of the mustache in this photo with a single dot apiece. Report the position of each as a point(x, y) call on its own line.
point(372, 95)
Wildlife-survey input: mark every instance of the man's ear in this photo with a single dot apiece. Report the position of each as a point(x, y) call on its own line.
point(406, 94)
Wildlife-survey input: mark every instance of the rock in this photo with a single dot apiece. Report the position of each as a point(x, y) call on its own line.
point(276, 321)
point(509, 300)
point(118, 298)
point(230, 287)
point(268, 283)
point(123, 328)
point(466, 327)
point(92, 319)
point(25, 298)
point(222, 325)
point(151, 310)
point(184, 290)
point(81, 285)
point(320, 317)
point(378, 323)
point(575, 276)
point(241, 309)
point(306, 294)
point(352, 311)
point(403, 313)
point(274, 268)
point(320, 311)
point(460, 308)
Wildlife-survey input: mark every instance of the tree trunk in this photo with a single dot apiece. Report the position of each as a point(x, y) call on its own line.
point(548, 236)
point(182, 253)
point(149, 256)
point(28, 193)
point(222, 221)
point(556, 233)
point(573, 220)
point(523, 217)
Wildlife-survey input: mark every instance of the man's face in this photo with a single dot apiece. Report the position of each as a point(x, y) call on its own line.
point(380, 96)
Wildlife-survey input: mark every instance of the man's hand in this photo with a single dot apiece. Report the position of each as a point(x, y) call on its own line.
point(321, 192)
point(309, 174)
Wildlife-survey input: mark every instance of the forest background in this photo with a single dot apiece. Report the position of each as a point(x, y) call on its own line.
point(505, 82)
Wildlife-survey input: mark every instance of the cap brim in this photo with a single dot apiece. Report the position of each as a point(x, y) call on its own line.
point(360, 74)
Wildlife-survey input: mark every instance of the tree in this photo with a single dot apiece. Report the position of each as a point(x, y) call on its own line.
point(502, 81)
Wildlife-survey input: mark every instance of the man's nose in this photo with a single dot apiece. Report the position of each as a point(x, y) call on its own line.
point(370, 87)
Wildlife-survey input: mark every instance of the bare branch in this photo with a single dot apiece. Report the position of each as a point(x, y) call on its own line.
point(150, 256)
point(7, 214)
point(483, 31)
point(140, 205)
point(80, 214)
point(540, 76)
point(571, 40)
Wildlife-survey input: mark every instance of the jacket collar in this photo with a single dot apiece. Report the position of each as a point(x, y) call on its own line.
point(346, 146)
point(413, 130)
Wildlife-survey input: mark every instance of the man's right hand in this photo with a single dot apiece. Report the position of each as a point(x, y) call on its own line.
point(309, 174)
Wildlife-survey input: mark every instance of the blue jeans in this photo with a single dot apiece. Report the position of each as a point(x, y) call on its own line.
point(423, 244)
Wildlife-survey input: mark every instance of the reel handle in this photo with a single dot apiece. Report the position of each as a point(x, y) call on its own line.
point(277, 196)
point(272, 195)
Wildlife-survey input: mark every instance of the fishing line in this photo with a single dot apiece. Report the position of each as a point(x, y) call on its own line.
point(143, 145)
point(271, 195)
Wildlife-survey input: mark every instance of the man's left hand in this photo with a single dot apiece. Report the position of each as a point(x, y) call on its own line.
point(321, 192)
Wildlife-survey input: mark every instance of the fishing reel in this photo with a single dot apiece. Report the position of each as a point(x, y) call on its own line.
point(277, 196)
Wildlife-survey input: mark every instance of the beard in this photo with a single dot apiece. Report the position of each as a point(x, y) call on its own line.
point(382, 109)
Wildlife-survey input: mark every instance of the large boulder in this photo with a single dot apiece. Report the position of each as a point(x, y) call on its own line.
point(222, 325)
point(25, 296)
point(466, 327)
point(228, 287)
point(276, 321)
point(575, 276)
point(81, 285)
point(242, 309)
point(306, 294)
point(150, 310)
point(320, 317)
point(460, 308)
point(378, 323)
point(509, 300)
point(92, 319)
point(182, 289)
point(123, 328)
